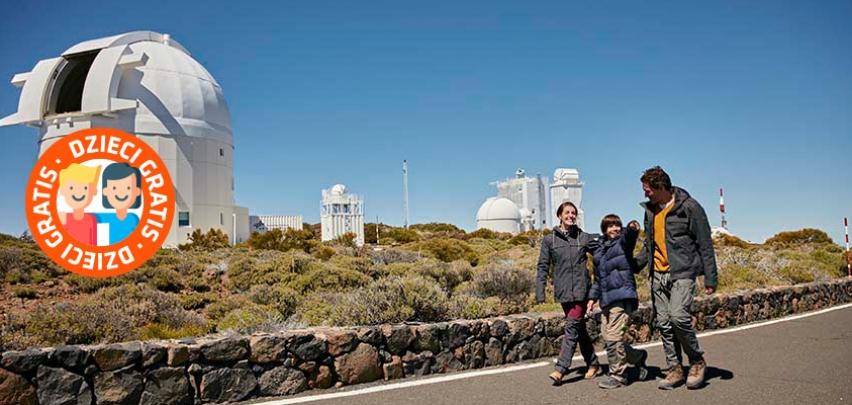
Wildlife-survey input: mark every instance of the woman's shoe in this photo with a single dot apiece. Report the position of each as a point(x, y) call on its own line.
point(592, 372)
point(556, 377)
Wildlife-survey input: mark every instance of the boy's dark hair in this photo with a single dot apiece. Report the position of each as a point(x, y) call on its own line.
point(657, 178)
point(566, 204)
point(610, 220)
point(118, 171)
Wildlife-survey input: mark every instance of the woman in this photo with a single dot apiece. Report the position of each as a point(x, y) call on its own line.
point(565, 248)
point(615, 288)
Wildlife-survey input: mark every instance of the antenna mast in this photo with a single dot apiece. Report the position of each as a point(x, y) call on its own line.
point(405, 191)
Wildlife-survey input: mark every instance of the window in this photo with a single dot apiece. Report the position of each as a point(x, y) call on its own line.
point(71, 81)
point(221, 219)
point(221, 152)
point(183, 218)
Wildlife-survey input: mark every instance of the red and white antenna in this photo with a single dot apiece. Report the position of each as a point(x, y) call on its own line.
point(722, 208)
point(848, 258)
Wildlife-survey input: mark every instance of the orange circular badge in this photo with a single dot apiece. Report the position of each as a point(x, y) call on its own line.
point(100, 202)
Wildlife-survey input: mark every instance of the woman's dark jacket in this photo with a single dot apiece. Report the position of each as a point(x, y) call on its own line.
point(566, 251)
point(614, 268)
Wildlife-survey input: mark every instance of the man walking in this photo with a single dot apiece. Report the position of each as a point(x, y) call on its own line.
point(678, 248)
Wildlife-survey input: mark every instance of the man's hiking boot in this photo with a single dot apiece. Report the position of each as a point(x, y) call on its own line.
point(642, 366)
point(695, 379)
point(592, 372)
point(673, 379)
point(609, 382)
point(556, 377)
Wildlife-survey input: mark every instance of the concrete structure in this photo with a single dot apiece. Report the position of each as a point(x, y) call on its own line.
point(500, 215)
point(146, 84)
point(263, 223)
point(341, 213)
point(566, 186)
point(530, 195)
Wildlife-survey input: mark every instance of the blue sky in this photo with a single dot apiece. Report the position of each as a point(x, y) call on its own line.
point(752, 96)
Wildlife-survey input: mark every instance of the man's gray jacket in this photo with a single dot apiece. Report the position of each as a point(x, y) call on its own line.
point(689, 244)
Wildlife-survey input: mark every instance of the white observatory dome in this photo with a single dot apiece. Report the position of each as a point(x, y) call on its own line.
point(499, 214)
point(147, 84)
point(338, 189)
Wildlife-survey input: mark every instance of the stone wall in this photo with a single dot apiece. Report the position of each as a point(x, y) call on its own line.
point(224, 368)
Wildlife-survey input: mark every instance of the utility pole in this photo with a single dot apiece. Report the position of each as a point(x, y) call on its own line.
point(848, 258)
point(722, 208)
point(405, 190)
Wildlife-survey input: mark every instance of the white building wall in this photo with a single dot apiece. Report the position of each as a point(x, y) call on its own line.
point(263, 223)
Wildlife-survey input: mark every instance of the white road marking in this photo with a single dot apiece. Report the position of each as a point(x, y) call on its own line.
point(508, 369)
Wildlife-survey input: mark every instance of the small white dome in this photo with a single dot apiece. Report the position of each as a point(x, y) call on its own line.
point(498, 208)
point(338, 189)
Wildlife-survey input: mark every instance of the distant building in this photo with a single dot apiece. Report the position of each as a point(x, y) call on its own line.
point(499, 214)
point(530, 195)
point(263, 223)
point(341, 213)
point(566, 186)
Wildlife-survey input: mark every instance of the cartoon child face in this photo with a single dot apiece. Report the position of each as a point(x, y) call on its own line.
point(121, 193)
point(77, 195)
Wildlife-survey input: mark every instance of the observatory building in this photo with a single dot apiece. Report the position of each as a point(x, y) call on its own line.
point(263, 223)
point(499, 214)
point(530, 195)
point(149, 85)
point(566, 186)
point(341, 213)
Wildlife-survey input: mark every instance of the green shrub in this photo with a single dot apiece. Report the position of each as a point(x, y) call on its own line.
point(250, 318)
point(89, 284)
point(346, 240)
point(503, 280)
point(730, 240)
point(324, 252)
point(280, 297)
point(245, 271)
point(112, 314)
point(529, 238)
point(212, 240)
point(317, 309)
point(160, 331)
point(291, 239)
point(446, 250)
point(797, 274)
point(807, 235)
point(25, 293)
point(400, 235)
point(195, 300)
point(465, 306)
point(326, 276)
point(448, 275)
point(425, 297)
point(736, 277)
point(486, 233)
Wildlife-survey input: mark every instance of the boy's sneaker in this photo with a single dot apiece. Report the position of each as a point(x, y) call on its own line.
point(611, 381)
point(642, 366)
point(695, 379)
point(673, 379)
point(592, 372)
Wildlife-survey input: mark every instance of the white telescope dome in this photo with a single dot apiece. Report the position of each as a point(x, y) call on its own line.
point(499, 214)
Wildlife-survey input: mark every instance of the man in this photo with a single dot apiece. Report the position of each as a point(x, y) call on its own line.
point(678, 248)
point(565, 249)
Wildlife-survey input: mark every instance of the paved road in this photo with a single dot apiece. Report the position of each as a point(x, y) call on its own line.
point(800, 361)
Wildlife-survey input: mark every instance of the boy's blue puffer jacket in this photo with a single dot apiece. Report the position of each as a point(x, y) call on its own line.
point(614, 268)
